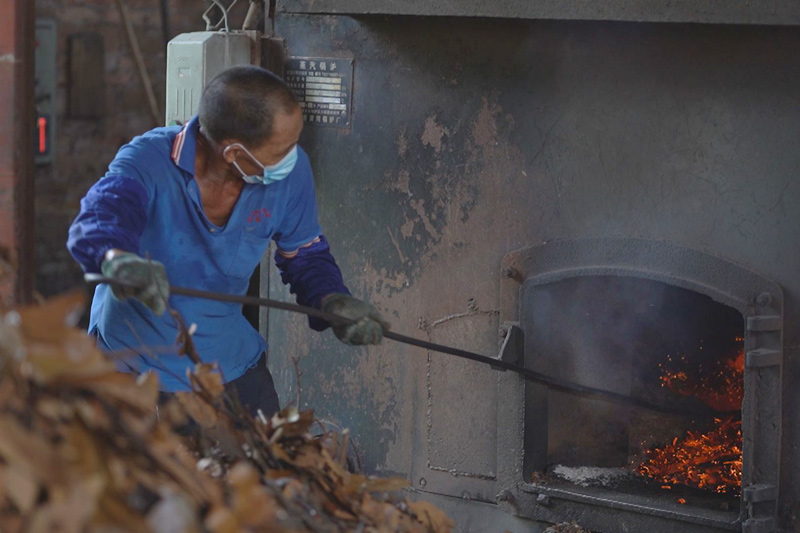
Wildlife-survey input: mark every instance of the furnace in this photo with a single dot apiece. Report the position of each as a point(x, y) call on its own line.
point(654, 321)
point(671, 346)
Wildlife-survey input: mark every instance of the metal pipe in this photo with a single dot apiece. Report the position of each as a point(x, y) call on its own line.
point(17, 120)
point(253, 13)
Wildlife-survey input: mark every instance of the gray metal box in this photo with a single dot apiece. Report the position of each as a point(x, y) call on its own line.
point(193, 60)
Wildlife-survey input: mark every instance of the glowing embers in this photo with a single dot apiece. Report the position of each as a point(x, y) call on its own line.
point(710, 456)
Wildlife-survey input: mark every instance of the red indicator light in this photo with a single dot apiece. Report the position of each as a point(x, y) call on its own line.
point(42, 135)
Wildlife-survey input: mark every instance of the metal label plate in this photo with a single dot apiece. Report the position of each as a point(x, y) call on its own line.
point(324, 87)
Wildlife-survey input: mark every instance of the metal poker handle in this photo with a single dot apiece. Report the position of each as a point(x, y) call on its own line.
point(538, 377)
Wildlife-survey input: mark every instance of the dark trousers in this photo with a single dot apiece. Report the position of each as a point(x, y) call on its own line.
point(256, 390)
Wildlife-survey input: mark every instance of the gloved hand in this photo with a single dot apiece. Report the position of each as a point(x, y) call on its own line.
point(150, 275)
point(368, 327)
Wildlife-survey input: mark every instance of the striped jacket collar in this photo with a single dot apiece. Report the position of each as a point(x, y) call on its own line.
point(185, 145)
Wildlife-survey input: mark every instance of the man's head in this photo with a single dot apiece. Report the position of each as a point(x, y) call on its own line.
point(250, 107)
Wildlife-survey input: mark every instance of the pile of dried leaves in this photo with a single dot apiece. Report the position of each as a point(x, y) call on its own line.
point(83, 448)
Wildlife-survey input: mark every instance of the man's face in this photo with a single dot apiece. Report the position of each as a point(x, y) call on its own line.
point(286, 129)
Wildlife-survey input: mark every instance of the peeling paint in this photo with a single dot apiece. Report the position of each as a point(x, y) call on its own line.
point(518, 155)
point(402, 143)
point(396, 245)
point(401, 184)
point(433, 133)
point(419, 207)
point(8, 58)
point(484, 131)
point(407, 229)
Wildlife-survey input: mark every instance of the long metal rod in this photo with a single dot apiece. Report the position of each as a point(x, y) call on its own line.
point(532, 375)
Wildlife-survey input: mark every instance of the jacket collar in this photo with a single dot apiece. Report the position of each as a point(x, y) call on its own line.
point(184, 147)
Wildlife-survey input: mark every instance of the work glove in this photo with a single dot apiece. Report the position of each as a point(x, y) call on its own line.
point(368, 325)
point(150, 278)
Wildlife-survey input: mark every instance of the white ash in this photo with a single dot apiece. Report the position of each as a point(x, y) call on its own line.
point(591, 476)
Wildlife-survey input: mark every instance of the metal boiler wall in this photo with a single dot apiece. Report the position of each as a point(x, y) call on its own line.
point(471, 138)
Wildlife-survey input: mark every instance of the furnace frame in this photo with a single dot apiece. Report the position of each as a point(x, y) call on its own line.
point(758, 299)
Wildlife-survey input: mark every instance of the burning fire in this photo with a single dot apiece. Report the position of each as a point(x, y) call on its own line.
point(708, 460)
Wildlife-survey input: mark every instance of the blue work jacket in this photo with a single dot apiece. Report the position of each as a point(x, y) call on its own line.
point(149, 203)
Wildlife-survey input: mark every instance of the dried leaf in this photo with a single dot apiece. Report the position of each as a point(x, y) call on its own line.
point(28, 453)
point(338, 512)
point(174, 514)
point(140, 394)
point(222, 520)
point(71, 508)
point(197, 408)
point(431, 516)
point(93, 445)
point(75, 356)
point(292, 422)
point(114, 515)
point(11, 523)
point(309, 458)
point(385, 514)
point(50, 322)
point(206, 378)
point(20, 488)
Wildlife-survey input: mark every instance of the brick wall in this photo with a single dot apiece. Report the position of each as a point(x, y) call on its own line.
point(84, 147)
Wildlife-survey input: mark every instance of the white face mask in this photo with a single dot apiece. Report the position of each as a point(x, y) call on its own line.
point(271, 173)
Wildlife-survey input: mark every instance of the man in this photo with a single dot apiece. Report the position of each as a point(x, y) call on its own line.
point(197, 206)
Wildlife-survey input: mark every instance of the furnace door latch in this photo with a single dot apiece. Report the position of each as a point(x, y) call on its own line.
point(513, 349)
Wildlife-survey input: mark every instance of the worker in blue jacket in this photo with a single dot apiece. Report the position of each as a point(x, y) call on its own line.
point(197, 206)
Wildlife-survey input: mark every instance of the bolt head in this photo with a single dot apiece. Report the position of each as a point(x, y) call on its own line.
point(764, 299)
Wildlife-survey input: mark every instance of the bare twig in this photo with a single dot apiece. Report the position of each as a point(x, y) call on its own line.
point(344, 442)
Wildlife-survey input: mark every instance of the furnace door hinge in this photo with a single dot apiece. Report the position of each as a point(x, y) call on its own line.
point(759, 525)
point(760, 493)
point(764, 323)
point(763, 357)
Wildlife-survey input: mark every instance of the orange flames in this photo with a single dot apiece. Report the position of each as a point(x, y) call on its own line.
point(708, 460)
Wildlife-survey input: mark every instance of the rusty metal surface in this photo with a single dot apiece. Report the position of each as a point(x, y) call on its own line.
point(17, 119)
point(473, 138)
point(697, 11)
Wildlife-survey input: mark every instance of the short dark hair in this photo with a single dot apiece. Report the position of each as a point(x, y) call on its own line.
point(241, 104)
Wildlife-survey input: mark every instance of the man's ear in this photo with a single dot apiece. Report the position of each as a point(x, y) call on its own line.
point(230, 151)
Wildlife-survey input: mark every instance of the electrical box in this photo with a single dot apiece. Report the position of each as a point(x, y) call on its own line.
point(45, 90)
point(193, 60)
